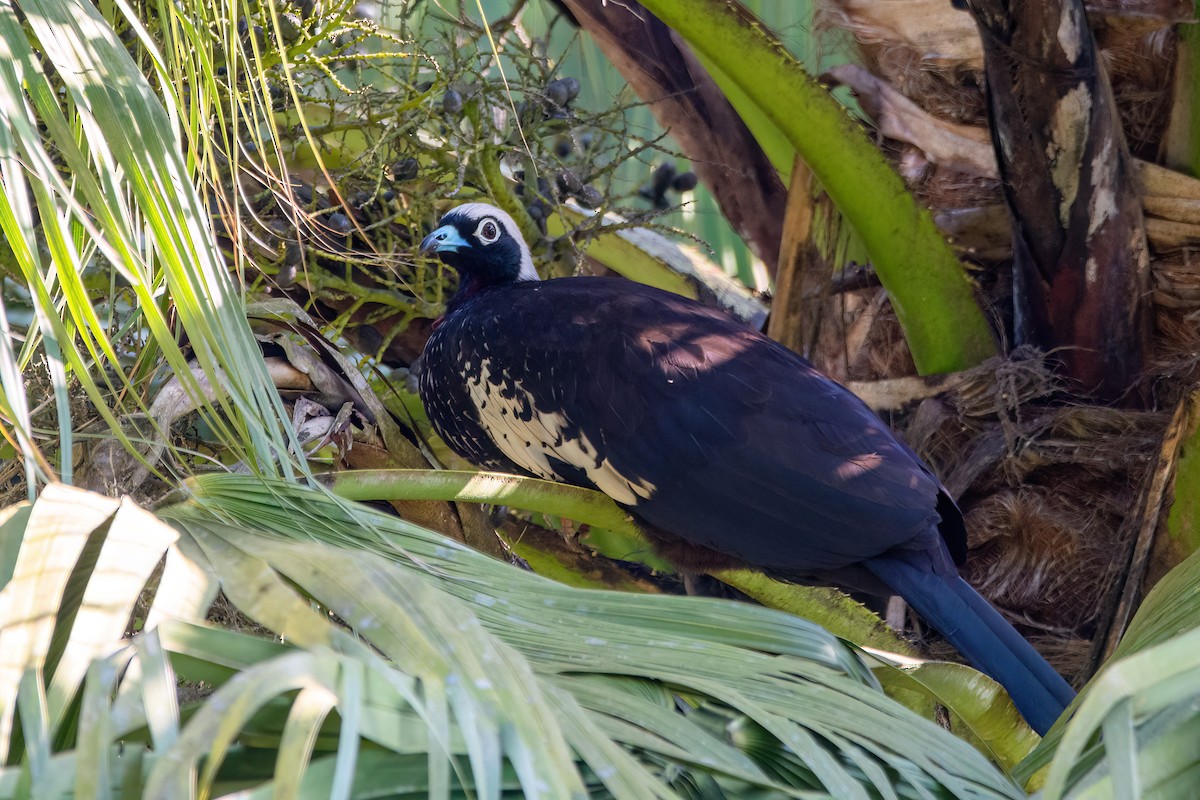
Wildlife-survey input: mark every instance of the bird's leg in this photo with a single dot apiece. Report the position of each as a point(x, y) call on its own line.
point(897, 612)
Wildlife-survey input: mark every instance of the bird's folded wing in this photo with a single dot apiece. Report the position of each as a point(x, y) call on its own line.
point(704, 429)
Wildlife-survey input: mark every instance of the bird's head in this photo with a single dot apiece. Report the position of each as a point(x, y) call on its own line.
point(483, 244)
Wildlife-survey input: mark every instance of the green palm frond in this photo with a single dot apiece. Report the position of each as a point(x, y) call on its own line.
point(87, 139)
point(405, 641)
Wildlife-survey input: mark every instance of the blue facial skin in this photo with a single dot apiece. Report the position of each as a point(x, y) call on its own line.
point(445, 239)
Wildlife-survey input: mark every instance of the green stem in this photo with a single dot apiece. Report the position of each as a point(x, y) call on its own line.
point(930, 290)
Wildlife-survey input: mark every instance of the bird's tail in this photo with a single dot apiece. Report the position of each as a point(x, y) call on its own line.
point(984, 637)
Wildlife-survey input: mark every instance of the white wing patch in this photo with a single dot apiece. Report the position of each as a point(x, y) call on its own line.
point(531, 444)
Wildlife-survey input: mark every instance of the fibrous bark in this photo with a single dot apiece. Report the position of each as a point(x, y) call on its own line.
point(1081, 268)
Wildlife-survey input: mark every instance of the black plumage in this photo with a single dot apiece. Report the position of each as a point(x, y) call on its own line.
point(729, 448)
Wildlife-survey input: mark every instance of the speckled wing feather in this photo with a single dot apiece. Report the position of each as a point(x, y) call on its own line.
point(699, 426)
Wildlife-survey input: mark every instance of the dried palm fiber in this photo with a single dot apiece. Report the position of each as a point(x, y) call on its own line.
point(860, 338)
point(1036, 555)
point(1176, 286)
point(1031, 553)
point(853, 333)
point(1175, 369)
point(1045, 488)
point(1137, 52)
point(966, 431)
point(1177, 281)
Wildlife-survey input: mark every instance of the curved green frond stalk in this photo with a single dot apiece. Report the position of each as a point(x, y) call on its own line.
point(774, 142)
point(981, 711)
point(827, 607)
point(1183, 520)
point(833, 610)
point(533, 494)
point(930, 291)
point(1183, 135)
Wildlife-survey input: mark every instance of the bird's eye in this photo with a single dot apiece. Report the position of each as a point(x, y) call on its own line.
point(488, 231)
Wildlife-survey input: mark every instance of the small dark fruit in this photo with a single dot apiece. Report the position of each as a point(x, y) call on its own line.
point(685, 182)
point(290, 27)
point(405, 169)
point(556, 93)
point(340, 223)
point(662, 178)
point(568, 183)
point(452, 102)
point(562, 91)
point(589, 197)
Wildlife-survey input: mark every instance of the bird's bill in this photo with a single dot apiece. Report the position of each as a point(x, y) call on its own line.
point(444, 239)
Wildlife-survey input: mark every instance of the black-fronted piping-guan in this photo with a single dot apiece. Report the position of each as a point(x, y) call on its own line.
point(728, 448)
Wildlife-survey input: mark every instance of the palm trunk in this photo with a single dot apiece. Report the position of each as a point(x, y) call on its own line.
point(1081, 268)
